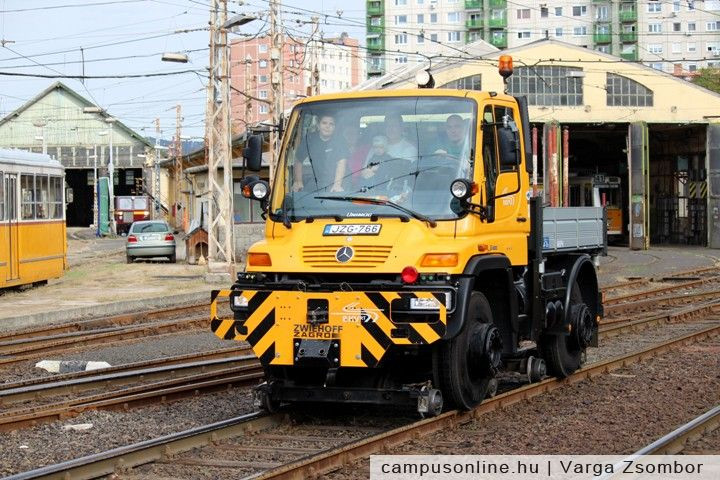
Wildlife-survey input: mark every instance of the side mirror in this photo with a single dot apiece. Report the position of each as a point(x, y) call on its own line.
point(253, 152)
point(509, 143)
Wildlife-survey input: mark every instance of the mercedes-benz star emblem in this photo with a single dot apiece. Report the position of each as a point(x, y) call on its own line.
point(344, 254)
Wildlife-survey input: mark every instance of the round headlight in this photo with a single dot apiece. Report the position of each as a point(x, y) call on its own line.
point(459, 189)
point(260, 190)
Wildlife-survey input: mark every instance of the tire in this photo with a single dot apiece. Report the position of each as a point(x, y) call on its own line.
point(129, 259)
point(461, 376)
point(172, 258)
point(562, 353)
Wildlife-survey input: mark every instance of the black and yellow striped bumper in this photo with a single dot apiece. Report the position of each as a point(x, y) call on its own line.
point(361, 326)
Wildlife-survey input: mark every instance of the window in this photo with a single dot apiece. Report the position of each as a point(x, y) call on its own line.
point(400, 2)
point(421, 38)
point(244, 209)
point(558, 11)
point(262, 48)
point(263, 63)
point(263, 94)
point(263, 108)
point(453, 17)
point(676, 6)
point(400, 19)
point(523, 13)
point(420, 2)
point(402, 59)
point(691, 26)
point(654, 7)
point(55, 197)
point(580, 31)
point(625, 92)
point(692, 67)
point(657, 66)
point(433, 37)
point(602, 12)
point(525, 34)
point(655, 48)
point(712, 26)
point(401, 39)
point(27, 197)
point(691, 47)
point(263, 79)
point(466, 83)
point(547, 85)
point(543, 12)
point(489, 150)
point(421, 18)
point(453, 37)
point(677, 27)
point(433, 18)
point(603, 48)
point(655, 27)
point(500, 114)
point(676, 48)
point(559, 32)
point(579, 11)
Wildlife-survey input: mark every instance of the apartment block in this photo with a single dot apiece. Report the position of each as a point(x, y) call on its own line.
point(659, 33)
point(339, 62)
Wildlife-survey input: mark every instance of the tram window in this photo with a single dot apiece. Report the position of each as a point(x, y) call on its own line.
point(41, 197)
point(2, 197)
point(55, 197)
point(27, 190)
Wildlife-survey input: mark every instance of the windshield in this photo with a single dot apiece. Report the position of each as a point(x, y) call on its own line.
point(150, 227)
point(403, 150)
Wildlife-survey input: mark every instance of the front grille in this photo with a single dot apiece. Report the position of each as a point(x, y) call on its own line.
point(364, 256)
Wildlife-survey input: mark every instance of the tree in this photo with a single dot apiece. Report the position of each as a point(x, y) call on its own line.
point(708, 78)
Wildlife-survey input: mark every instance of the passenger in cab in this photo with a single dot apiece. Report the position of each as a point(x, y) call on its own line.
point(356, 151)
point(326, 157)
point(397, 145)
point(456, 136)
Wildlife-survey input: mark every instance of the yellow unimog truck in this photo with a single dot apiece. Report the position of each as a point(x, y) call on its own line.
point(405, 260)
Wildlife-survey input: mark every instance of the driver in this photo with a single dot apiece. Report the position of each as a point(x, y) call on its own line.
point(326, 156)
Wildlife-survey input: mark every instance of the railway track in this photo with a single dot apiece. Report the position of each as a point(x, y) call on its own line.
point(248, 430)
point(675, 441)
point(638, 282)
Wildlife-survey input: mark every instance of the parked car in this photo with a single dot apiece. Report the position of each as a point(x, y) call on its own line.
point(151, 238)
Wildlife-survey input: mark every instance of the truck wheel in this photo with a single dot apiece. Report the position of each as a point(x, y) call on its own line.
point(466, 364)
point(563, 353)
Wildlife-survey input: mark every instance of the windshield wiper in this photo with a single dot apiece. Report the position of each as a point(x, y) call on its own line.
point(377, 201)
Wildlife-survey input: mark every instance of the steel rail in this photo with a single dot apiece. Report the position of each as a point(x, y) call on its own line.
point(156, 362)
point(332, 459)
point(658, 291)
point(675, 441)
point(105, 379)
point(123, 458)
point(243, 375)
point(655, 302)
point(617, 327)
point(105, 463)
point(642, 281)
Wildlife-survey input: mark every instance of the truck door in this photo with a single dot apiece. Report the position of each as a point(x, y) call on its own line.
point(13, 228)
point(639, 172)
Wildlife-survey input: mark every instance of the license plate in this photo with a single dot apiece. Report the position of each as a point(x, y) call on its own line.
point(155, 236)
point(352, 229)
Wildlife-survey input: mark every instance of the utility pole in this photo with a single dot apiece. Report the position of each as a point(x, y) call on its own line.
point(276, 81)
point(156, 165)
point(178, 164)
point(314, 73)
point(248, 100)
point(218, 141)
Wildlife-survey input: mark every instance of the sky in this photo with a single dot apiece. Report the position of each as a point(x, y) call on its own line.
point(117, 38)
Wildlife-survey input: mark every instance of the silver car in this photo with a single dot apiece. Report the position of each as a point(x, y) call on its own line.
point(151, 238)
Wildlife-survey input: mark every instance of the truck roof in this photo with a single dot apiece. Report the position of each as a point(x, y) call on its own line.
point(415, 92)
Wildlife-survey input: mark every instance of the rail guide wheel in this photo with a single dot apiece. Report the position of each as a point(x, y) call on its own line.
point(564, 354)
point(465, 366)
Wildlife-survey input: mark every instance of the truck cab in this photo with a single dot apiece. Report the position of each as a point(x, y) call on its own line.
point(404, 260)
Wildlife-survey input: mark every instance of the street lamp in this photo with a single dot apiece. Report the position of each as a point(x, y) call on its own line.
point(174, 57)
point(96, 210)
point(238, 20)
point(111, 174)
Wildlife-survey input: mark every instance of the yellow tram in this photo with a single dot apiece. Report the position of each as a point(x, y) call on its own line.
point(33, 246)
point(600, 191)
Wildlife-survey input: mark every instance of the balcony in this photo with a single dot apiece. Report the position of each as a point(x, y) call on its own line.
point(499, 40)
point(375, 8)
point(632, 56)
point(602, 36)
point(627, 16)
point(473, 37)
point(473, 4)
point(628, 37)
point(375, 29)
point(497, 22)
point(374, 70)
point(474, 23)
point(375, 45)
point(498, 4)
